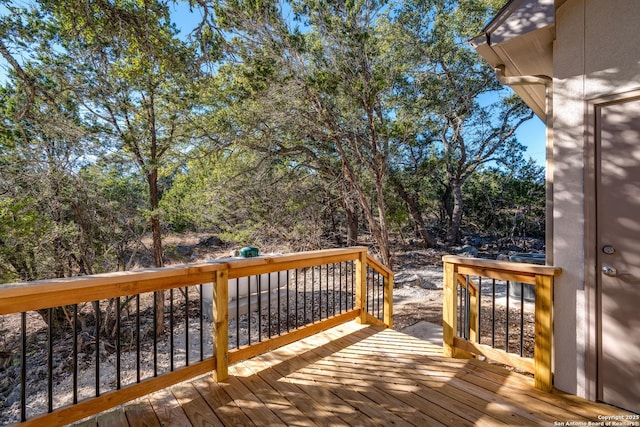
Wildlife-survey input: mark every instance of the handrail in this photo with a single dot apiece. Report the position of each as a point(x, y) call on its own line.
point(45, 294)
point(379, 267)
point(457, 271)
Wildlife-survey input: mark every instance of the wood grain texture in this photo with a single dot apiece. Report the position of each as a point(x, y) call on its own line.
point(362, 375)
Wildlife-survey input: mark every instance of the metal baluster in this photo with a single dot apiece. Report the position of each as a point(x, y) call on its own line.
point(201, 325)
point(460, 312)
point(313, 296)
point(171, 329)
point(279, 309)
point(238, 308)
point(320, 292)
point(23, 369)
point(288, 308)
point(155, 335)
point(138, 336)
point(75, 354)
point(96, 306)
point(507, 327)
point(521, 319)
point(479, 307)
point(493, 313)
point(304, 301)
point(50, 360)
point(249, 309)
point(259, 277)
point(186, 326)
point(334, 288)
point(467, 307)
point(297, 296)
point(118, 349)
point(353, 294)
point(340, 288)
point(269, 304)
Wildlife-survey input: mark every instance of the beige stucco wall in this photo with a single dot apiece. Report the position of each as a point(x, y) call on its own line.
point(596, 53)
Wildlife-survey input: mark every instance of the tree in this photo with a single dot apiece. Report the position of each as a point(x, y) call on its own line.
point(464, 130)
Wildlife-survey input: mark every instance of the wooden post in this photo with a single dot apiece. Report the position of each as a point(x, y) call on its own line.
point(221, 324)
point(361, 286)
point(449, 310)
point(543, 376)
point(388, 302)
point(474, 304)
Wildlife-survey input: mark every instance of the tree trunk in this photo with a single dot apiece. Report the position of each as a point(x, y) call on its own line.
point(152, 178)
point(456, 214)
point(352, 225)
point(414, 212)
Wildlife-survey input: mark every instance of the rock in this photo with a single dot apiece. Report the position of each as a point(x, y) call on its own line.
point(211, 241)
point(184, 250)
point(468, 251)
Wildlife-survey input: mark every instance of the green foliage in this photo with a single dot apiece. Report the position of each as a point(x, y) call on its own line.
point(300, 121)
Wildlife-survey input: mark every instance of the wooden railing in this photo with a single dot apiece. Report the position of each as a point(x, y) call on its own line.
point(465, 274)
point(369, 280)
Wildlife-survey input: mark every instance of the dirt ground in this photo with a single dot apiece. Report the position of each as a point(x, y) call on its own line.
point(418, 274)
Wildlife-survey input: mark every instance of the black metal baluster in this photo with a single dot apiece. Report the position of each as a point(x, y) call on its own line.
point(171, 329)
point(304, 301)
point(313, 296)
point(367, 288)
point(75, 354)
point(507, 327)
point(297, 296)
point(118, 349)
point(467, 306)
point(340, 288)
point(479, 307)
point(155, 335)
point(521, 319)
point(326, 304)
point(96, 306)
point(460, 311)
point(493, 314)
point(278, 299)
point(320, 293)
point(259, 307)
point(50, 360)
point(249, 310)
point(23, 369)
point(238, 308)
point(269, 304)
point(186, 325)
point(380, 288)
point(138, 336)
point(201, 325)
point(353, 294)
point(333, 285)
point(288, 308)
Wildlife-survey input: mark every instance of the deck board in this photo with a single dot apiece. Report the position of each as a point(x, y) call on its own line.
point(361, 375)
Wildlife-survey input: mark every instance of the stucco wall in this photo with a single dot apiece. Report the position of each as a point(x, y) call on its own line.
point(596, 53)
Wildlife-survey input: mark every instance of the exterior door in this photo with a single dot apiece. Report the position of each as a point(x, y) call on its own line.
point(618, 259)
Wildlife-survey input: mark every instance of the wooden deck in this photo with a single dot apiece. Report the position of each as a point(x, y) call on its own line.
point(357, 375)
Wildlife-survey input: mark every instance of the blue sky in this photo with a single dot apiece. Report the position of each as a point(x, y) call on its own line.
point(532, 135)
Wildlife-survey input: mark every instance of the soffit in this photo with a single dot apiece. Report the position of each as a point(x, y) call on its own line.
point(521, 38)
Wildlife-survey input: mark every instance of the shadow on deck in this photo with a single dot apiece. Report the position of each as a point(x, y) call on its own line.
point(357, 375)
